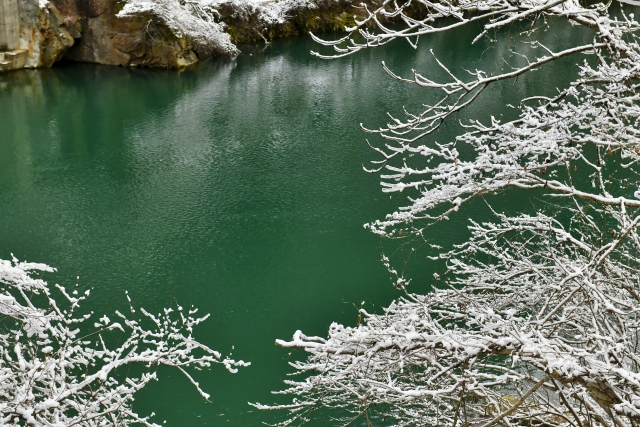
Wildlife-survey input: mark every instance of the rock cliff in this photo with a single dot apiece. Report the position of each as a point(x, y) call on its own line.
point(97, 31)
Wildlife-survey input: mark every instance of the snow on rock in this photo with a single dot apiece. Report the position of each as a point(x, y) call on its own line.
point(200, 19)
point(195, 19)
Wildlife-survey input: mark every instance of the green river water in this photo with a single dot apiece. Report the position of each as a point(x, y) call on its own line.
point(236, 186)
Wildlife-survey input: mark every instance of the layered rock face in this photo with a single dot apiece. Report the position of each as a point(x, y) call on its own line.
point(31, 34)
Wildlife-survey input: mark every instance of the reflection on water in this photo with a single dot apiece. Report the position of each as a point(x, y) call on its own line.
point(236, 186)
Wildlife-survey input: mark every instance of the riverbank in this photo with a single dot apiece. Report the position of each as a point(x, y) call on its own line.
point(163, 33)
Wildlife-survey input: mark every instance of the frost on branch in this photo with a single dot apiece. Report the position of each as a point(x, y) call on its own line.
point(536, 320)
point(57, 367)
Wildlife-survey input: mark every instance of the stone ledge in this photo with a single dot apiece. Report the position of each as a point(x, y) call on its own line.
point(13, 60)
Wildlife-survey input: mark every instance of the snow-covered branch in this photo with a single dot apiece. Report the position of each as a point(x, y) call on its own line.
point(57, 370)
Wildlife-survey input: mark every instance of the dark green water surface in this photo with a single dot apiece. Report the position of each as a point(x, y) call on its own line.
point(235, 186)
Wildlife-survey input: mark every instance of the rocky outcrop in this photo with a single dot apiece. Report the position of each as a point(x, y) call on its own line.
point(128, 41)
point(143, 39)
